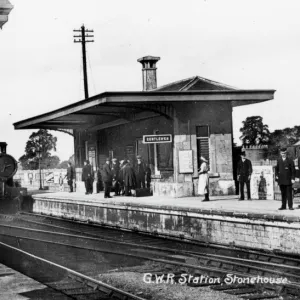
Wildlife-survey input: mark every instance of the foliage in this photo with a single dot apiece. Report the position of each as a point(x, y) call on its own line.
point(39, 146)
point(282, 138)
point(63, 164)
point(254, 132)
point(51, 162)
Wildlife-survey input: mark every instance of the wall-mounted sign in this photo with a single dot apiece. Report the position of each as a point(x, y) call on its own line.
point(157, 138)
point(92, 155)
point(186, 161)
point(261, 184)
point(49, 177)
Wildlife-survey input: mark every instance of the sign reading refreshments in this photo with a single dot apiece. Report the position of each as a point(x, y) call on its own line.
point(157, 138)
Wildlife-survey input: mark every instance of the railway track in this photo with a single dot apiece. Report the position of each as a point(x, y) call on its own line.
point(124, 250)
point(69, 282)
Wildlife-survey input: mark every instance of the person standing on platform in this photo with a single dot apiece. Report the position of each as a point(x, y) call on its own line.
point(121, 177)
point(107, 178)
point(70, 177)
point(285, 176)
point(61, 183)
point(148, 176)
point(244, 172)
point(140, 173)
point(87, 177)
point(129, 178)
point(99, 185)
point(203, 188)
point(115, 176)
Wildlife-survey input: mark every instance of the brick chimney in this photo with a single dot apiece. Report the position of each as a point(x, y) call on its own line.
point(149, 72)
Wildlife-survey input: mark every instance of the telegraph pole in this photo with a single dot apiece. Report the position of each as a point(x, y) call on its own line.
point(82, 39)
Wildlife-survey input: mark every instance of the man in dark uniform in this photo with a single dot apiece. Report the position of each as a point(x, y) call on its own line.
point(70, 176)
point(115, 168)
point(107, 178)
point(87, 177)
point(129, 178)
point(148, 176)
point(285, 176)
point(99, 185)
point(140, 173)
point(244, 171)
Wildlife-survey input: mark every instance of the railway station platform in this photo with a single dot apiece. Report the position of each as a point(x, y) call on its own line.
point(256, 224)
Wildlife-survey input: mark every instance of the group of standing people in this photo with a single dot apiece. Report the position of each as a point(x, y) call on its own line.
point(284, 175)
point(121, 176)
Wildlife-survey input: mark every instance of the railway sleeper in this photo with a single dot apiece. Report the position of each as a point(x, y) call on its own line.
point(93, 285)
point(225, 287)
point(241, 291)
point(78, 291)
point(260, 296)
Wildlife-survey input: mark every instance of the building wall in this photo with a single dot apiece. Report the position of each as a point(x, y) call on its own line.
point(218, 117)
point(122, 140)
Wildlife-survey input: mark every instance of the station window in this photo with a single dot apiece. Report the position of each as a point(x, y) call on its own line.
point(158, 156)
point(202, 136)
point(164, 155)
point(146, 151)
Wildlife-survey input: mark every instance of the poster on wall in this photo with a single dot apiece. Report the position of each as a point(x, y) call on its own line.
point(262, 184)
point(92, 156)
point(186, 161)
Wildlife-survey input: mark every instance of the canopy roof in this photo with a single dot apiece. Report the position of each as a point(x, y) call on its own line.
point(115, 108)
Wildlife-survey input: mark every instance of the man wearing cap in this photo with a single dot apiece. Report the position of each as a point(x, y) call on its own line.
point(244, 171)
point(129, 178)
point(87, 177)
point(107, 178)
point(115, 168)
point(140, 173)
point(70, 176)
point(285, 176)
point(121, 176)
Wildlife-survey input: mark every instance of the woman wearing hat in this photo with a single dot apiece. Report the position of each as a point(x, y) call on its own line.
point(203, 179)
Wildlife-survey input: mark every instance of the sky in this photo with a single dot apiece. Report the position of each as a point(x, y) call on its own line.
point(246, 44)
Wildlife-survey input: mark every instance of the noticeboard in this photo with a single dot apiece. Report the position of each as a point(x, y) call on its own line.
point(262, 184)
point(186, 161)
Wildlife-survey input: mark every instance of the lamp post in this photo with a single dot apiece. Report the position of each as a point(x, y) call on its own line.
point(39, 153)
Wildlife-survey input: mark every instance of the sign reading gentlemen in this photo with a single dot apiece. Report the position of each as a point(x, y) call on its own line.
point(157, 138)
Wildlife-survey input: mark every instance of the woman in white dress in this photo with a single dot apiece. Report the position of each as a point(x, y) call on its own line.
point(203, 179)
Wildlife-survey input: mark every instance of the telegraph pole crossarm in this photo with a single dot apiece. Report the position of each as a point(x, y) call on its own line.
point(82, 39)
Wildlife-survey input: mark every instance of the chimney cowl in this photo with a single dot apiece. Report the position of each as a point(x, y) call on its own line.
point(149, 72)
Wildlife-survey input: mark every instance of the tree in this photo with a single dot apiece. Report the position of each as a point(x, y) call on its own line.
point(51, 162)
point(63, 164)
point(282, 138)
point(254, 132)
point(39, 146)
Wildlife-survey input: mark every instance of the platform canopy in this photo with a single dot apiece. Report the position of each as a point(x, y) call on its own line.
point(5, 8)
point(116, 108)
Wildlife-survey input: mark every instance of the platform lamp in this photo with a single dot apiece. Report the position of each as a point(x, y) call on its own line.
point(38, 151)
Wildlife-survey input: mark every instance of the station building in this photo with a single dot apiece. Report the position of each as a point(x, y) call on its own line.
point(187, 119)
